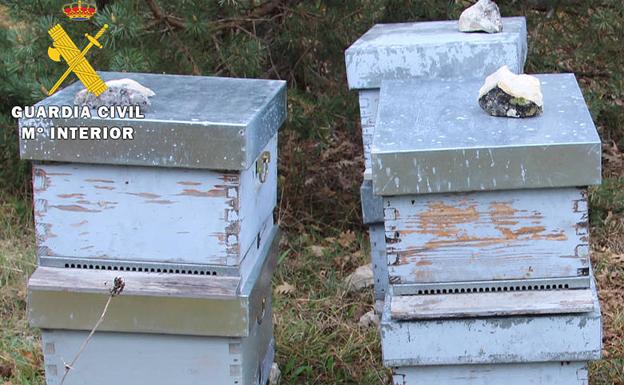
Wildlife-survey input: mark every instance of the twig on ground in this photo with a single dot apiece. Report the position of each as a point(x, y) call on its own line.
point(118, 286)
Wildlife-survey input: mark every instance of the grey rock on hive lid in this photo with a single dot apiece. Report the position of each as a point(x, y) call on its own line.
point(120, 92)
point(484, 16)
point(507, 94)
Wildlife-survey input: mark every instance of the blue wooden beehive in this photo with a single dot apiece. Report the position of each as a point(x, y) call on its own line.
point(421, 50)
point(486, 229)
point(183, 212)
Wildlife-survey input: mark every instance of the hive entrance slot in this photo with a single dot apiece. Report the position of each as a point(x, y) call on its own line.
point(491, 286)
point(140, 269)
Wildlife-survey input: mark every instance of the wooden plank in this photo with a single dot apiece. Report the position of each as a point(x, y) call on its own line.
point(531, 373)
point(444, 306)
point(483, 236)
point(136, 284)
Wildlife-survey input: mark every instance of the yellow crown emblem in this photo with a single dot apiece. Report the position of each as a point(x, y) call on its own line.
point(79, 11)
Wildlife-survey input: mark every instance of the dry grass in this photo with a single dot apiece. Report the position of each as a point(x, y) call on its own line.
point(20, 354)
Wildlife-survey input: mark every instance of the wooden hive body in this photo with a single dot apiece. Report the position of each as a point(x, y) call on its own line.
point(133, 216)
point(160, 359)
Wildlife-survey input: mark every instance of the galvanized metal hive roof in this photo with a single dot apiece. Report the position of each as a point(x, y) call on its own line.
point(432, 137)
point(193, 122)
point(435, 49)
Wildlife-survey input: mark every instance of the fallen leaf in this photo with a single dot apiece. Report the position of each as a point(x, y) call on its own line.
point(317, 251)
point(346, 238)
point(285, 288)
point(6, 369)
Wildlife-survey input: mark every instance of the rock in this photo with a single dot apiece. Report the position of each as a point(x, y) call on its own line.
point(369, 319)
point(507, 94)
point(120, 92)
point(483, 16)
point(361, 278)
point(274, 374)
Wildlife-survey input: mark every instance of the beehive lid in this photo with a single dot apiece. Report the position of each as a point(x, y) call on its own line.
point(434, 49)
point(432, 137)
point(193, 122)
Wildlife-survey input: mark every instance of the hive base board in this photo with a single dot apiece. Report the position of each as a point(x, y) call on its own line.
point(159, 359)
point(491, 340)
point(500, 304)
point(539, 373)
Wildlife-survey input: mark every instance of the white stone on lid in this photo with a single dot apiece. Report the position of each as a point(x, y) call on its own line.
point(519, 86)
point(483, 16)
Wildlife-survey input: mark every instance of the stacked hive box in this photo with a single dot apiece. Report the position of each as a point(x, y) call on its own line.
point(425, 50)
point(183, 212)
point(486, 229)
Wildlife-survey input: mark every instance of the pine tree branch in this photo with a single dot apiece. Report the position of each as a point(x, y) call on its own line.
point(187, 52)
point(257, 14)
point(160, 15)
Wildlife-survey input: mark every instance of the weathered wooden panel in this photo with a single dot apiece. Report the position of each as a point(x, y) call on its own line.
point(159, 359)
point(491, 340)
point(537, 373)
point(516, 234)
point(369, 100)
point(128, 213)
point(444, 306)
point(138, 284)
point(377, 239)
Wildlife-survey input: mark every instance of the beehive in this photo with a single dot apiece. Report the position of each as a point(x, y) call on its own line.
point(419, 50)
point(182, 212)
point(192, 192)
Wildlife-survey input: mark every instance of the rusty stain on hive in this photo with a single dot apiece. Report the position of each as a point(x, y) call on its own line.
point(100, 180)
point(217, 192)
point(145, 195)
point(443, 221)
point(76, 208)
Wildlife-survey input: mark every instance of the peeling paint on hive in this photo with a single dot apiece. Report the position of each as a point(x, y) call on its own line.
point(483, 236)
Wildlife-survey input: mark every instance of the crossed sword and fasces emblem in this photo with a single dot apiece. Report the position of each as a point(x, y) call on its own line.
point(64, 47)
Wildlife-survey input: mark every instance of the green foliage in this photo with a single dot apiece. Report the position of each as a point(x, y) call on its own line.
point(609, 196)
